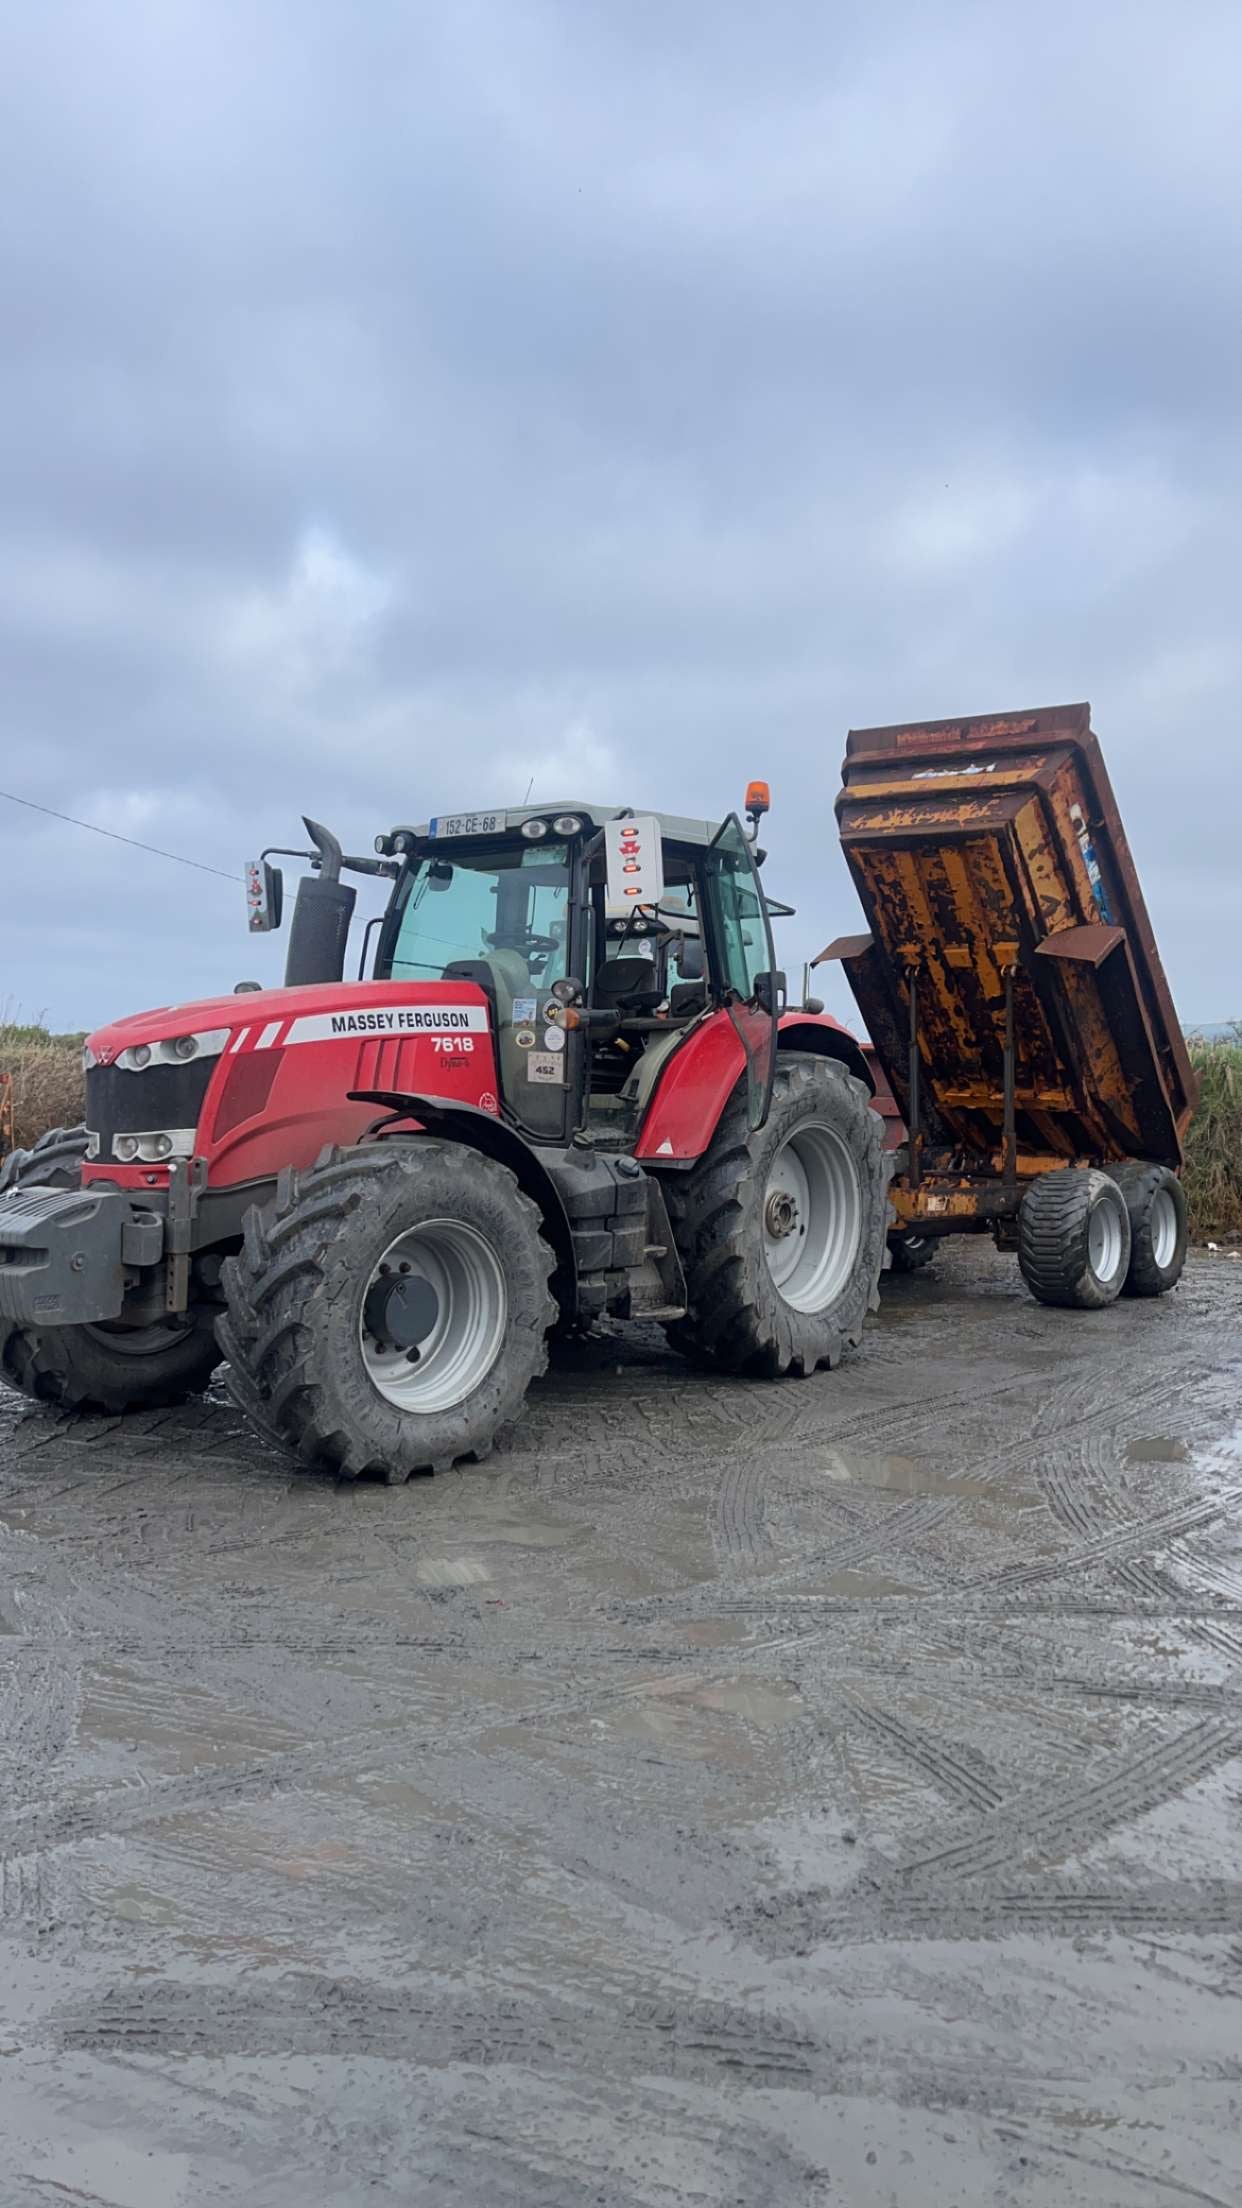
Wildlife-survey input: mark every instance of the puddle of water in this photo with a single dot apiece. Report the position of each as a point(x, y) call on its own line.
point(1157, 1449)
point(527, 1533)
point(760, 1701)
point(901, 1475)
point(111, 2172)
point(870, 1585)
point(450, 1571)
point(715, 1632)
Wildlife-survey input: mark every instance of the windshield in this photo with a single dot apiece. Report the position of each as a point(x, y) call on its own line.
point(483, 903)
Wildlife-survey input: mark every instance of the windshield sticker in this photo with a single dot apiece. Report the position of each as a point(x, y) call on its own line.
point(523, 1011)
point(524, 1037)
point(554, 1038)
point(544, 1065)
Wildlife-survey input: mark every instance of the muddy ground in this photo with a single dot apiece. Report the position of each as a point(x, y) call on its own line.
point(823, 1793)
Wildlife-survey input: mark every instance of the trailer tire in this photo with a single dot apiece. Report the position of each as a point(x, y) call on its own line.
point(911, 1252)
point(319, 1366)
point(1159, 1227)
point(1074, 1239)
point(756, 1304)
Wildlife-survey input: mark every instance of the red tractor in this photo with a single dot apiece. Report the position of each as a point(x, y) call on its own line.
point(569, 1088)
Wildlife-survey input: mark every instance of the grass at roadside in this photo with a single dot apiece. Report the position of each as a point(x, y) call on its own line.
point(1214, 1145)
point(47, 1078)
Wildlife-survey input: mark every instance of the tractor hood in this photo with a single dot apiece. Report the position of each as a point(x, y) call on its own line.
point(340, 1008)
point(250, 1083)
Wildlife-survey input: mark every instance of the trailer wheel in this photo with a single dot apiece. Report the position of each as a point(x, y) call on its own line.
point(911, 1252)
point(781, 1232)
point(1159, 1227)
point(388, 1312)
point(1074, 1239)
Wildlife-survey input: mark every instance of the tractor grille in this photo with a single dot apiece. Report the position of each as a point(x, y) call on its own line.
point(119, 1102)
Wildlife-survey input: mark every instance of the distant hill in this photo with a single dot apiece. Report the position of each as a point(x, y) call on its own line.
point(1220, 1031)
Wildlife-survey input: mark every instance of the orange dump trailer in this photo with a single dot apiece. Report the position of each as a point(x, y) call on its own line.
point(1014, 995)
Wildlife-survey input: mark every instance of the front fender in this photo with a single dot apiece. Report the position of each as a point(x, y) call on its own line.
point(447, 1117)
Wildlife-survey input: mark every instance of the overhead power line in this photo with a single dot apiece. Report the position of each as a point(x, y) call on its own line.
point(96, 830)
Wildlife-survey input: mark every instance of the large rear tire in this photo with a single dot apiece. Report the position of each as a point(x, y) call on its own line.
point(1159, 1227)
point(389, 1310)
point(103, 1368)
point(1074, 1239)
point(781, 1232)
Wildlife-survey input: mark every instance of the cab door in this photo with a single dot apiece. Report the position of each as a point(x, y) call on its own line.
point(743, 959)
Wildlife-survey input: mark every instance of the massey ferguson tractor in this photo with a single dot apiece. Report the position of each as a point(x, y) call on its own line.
point(568, 1088)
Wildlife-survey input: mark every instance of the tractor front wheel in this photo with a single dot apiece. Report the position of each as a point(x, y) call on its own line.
point(388, 1312)
point(781, 1232)
point(112, 1367)
point(105, 1367)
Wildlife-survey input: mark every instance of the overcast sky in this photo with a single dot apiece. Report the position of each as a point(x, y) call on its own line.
point(402, 401)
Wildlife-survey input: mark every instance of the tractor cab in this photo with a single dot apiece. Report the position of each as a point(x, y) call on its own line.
point(600, 938)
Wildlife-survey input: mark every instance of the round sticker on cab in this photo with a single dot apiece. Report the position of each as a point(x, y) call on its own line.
point(524, 1037)
point(554, 1038)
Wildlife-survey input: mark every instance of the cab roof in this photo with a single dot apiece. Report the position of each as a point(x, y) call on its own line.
point(674, 827)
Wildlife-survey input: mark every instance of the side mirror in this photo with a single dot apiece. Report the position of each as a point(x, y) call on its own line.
point(265, 888)
point(770, 993)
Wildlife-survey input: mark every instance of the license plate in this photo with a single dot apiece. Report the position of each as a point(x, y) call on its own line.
point(467, 824)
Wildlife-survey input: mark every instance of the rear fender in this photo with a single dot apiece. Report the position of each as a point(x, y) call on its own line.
point(449, 1120)
point(699, 1078)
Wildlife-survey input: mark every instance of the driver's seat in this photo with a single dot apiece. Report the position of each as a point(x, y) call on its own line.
point(502, 976)
point(628, 984)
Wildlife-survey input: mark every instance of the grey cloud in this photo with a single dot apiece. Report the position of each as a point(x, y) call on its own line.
point(397, 403)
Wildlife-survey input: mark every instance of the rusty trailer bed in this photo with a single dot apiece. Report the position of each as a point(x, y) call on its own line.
point(1010, 983)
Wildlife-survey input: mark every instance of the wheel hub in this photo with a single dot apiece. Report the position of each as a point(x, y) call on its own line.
point(400, 1311)
point(780, 1214)
point(812, 1216)
point(432, 1316)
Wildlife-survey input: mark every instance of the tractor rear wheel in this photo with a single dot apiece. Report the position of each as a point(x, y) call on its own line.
point(1159, 1227)
point(388, 1312)
point(107, 1367)
point(1074, 1238)
point(781, 1232)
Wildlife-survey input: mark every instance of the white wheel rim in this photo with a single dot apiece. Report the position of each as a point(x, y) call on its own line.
point(1164, 1226)
point(464, 1338)
point(812, 1217)
point(1104, 1245)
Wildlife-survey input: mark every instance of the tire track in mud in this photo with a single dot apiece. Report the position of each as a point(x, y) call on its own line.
point(958, 1772)
point(302, 2014)
point(1072, 1818)
point(740, 1529)
point(1155, 1911)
